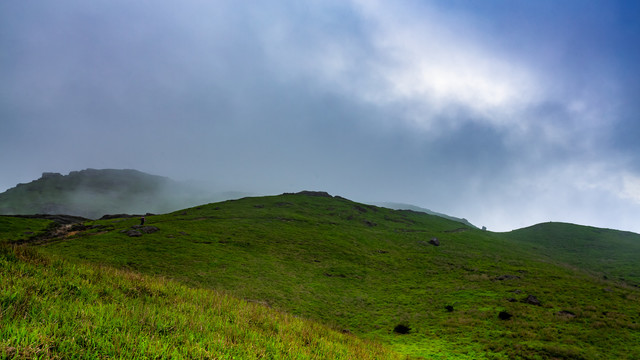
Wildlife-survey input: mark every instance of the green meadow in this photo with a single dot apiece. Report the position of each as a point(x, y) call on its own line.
point(318, 277)
point(53, 309)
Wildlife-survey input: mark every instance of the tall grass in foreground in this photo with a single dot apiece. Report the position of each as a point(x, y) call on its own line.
point(53, 309)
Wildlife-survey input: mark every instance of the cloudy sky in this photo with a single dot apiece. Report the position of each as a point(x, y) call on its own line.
point(504, 112)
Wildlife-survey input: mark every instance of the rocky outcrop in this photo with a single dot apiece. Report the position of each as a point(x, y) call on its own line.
point(314, 193)
point(133, 233)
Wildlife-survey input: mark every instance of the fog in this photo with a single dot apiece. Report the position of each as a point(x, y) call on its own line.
point(504, 113)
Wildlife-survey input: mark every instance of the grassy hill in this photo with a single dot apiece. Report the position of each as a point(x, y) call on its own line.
point(613, 254)
point(52, 309)
point(401, 206)
point(372, 272)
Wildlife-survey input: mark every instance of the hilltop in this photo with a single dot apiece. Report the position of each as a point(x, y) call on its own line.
point(612, 254)
point(422, 284)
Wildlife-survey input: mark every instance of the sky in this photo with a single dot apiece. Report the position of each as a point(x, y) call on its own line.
point(505, 112)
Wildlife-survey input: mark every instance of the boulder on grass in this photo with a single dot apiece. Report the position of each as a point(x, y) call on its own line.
point(532, 300)
point(503, 315)
point(133, 233)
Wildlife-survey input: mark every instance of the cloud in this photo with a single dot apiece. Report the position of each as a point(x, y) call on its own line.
point(442, 65)
point(631, 187)
point(508, 114)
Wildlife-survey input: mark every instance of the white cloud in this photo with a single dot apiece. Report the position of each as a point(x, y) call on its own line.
point(441, 65)
point(631, 187)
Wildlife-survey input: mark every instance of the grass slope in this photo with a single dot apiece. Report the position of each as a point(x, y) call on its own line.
point(51, 309)
point(613, 253)
point(367, 270)
point(16, 229)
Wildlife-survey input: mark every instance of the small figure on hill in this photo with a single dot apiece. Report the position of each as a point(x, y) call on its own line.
point(142, 220)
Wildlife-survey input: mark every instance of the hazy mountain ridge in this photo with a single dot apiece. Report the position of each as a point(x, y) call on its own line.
point(92, 193)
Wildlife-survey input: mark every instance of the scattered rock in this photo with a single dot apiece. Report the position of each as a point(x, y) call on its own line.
point(503, 315)
point(532, 300)
point(434, 241)
point(149, 229)
point(369, 223)
point(134, 233)
point(401, 329)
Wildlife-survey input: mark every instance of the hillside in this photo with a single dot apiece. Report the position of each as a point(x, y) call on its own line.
point(610, 253)
point(373, 272)
point(400, 206)
point(93, 193)
point(52, 309)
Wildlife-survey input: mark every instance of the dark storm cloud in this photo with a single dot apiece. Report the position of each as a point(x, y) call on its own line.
point(506, 113)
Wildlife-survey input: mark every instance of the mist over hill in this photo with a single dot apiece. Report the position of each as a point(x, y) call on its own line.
point(92, 193)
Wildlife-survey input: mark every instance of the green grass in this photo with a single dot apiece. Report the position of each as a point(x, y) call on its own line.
point(17, 229)
point(612, 253)
point(364, 270)
point(52, 309)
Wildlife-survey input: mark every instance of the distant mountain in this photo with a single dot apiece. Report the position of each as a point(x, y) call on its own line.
point(92, 193)
point(400, 206)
